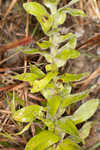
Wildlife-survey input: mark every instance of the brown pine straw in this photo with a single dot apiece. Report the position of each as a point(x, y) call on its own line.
point(14, 44)
point(10, 8)
point(36, 98)
point(95, 74)
point(5, 111)
point(27, 22)
point(85, 82)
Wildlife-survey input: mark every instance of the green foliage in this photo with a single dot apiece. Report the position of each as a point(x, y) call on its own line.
point(53, 107)
point(55, 88)
point(73, 12)
point(85, 130)
point(85, 111)
point(36, 9)
point(72, 2)
point(42, 141)
point(67, 126)
point(64, 55)
point(38, 85)
point(29, 113)
point(44, 44)
point(67, 77)
point(67, 144)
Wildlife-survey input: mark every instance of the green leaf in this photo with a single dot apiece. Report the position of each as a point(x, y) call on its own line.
point(85, 130)
point(27, 50)
point(35, 70)
point(42, 141)
point(38, 85)
point(52, 4)
point(40, 13)
point(64, 55)
point(67, 144)
point(63, 38)
point(51, 148)
point(85, 111)
point(48, 91)
point(59, 18)
point(67, 126)
point(28, 113)
point(71, 44)
point(73, 12)
point(48, 3)
point(53, 105)
point(29, 77)
point(68, 77)
point(72, 2)
point(73, 98)
point(44, 44)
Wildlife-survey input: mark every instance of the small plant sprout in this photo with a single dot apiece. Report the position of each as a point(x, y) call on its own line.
point(58, 132)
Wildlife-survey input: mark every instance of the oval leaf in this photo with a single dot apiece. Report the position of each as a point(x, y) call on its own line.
point(28, 113)
point(67, 126)
point(27, 50)
point(42, 141)
point(29, 77)
point(73, 12)
point(53, 105)
point(34, 69)
point(67, 144)
point(85, 111)
point(64, 55)
point(68, 77)
point(85, 130)
point(59, 18)
point(40, 13)
point(73, 98)
point(44, 44)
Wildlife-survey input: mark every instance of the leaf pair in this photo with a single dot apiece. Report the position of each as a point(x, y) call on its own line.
point(48, 139)
point(45, 19)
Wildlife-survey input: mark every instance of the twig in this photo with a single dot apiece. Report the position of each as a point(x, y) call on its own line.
point(6, 59)
point(95, 74)
point(5, 111)
point(27, 22)
point(36, 98)
point(10, 7)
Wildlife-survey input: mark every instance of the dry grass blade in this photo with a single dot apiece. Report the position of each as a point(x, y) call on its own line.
point(10, 7)
point(27, 22)
point(16, 43)
point(95, 8)
point(95, 39)
point(6, 59)
point(95, 74)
